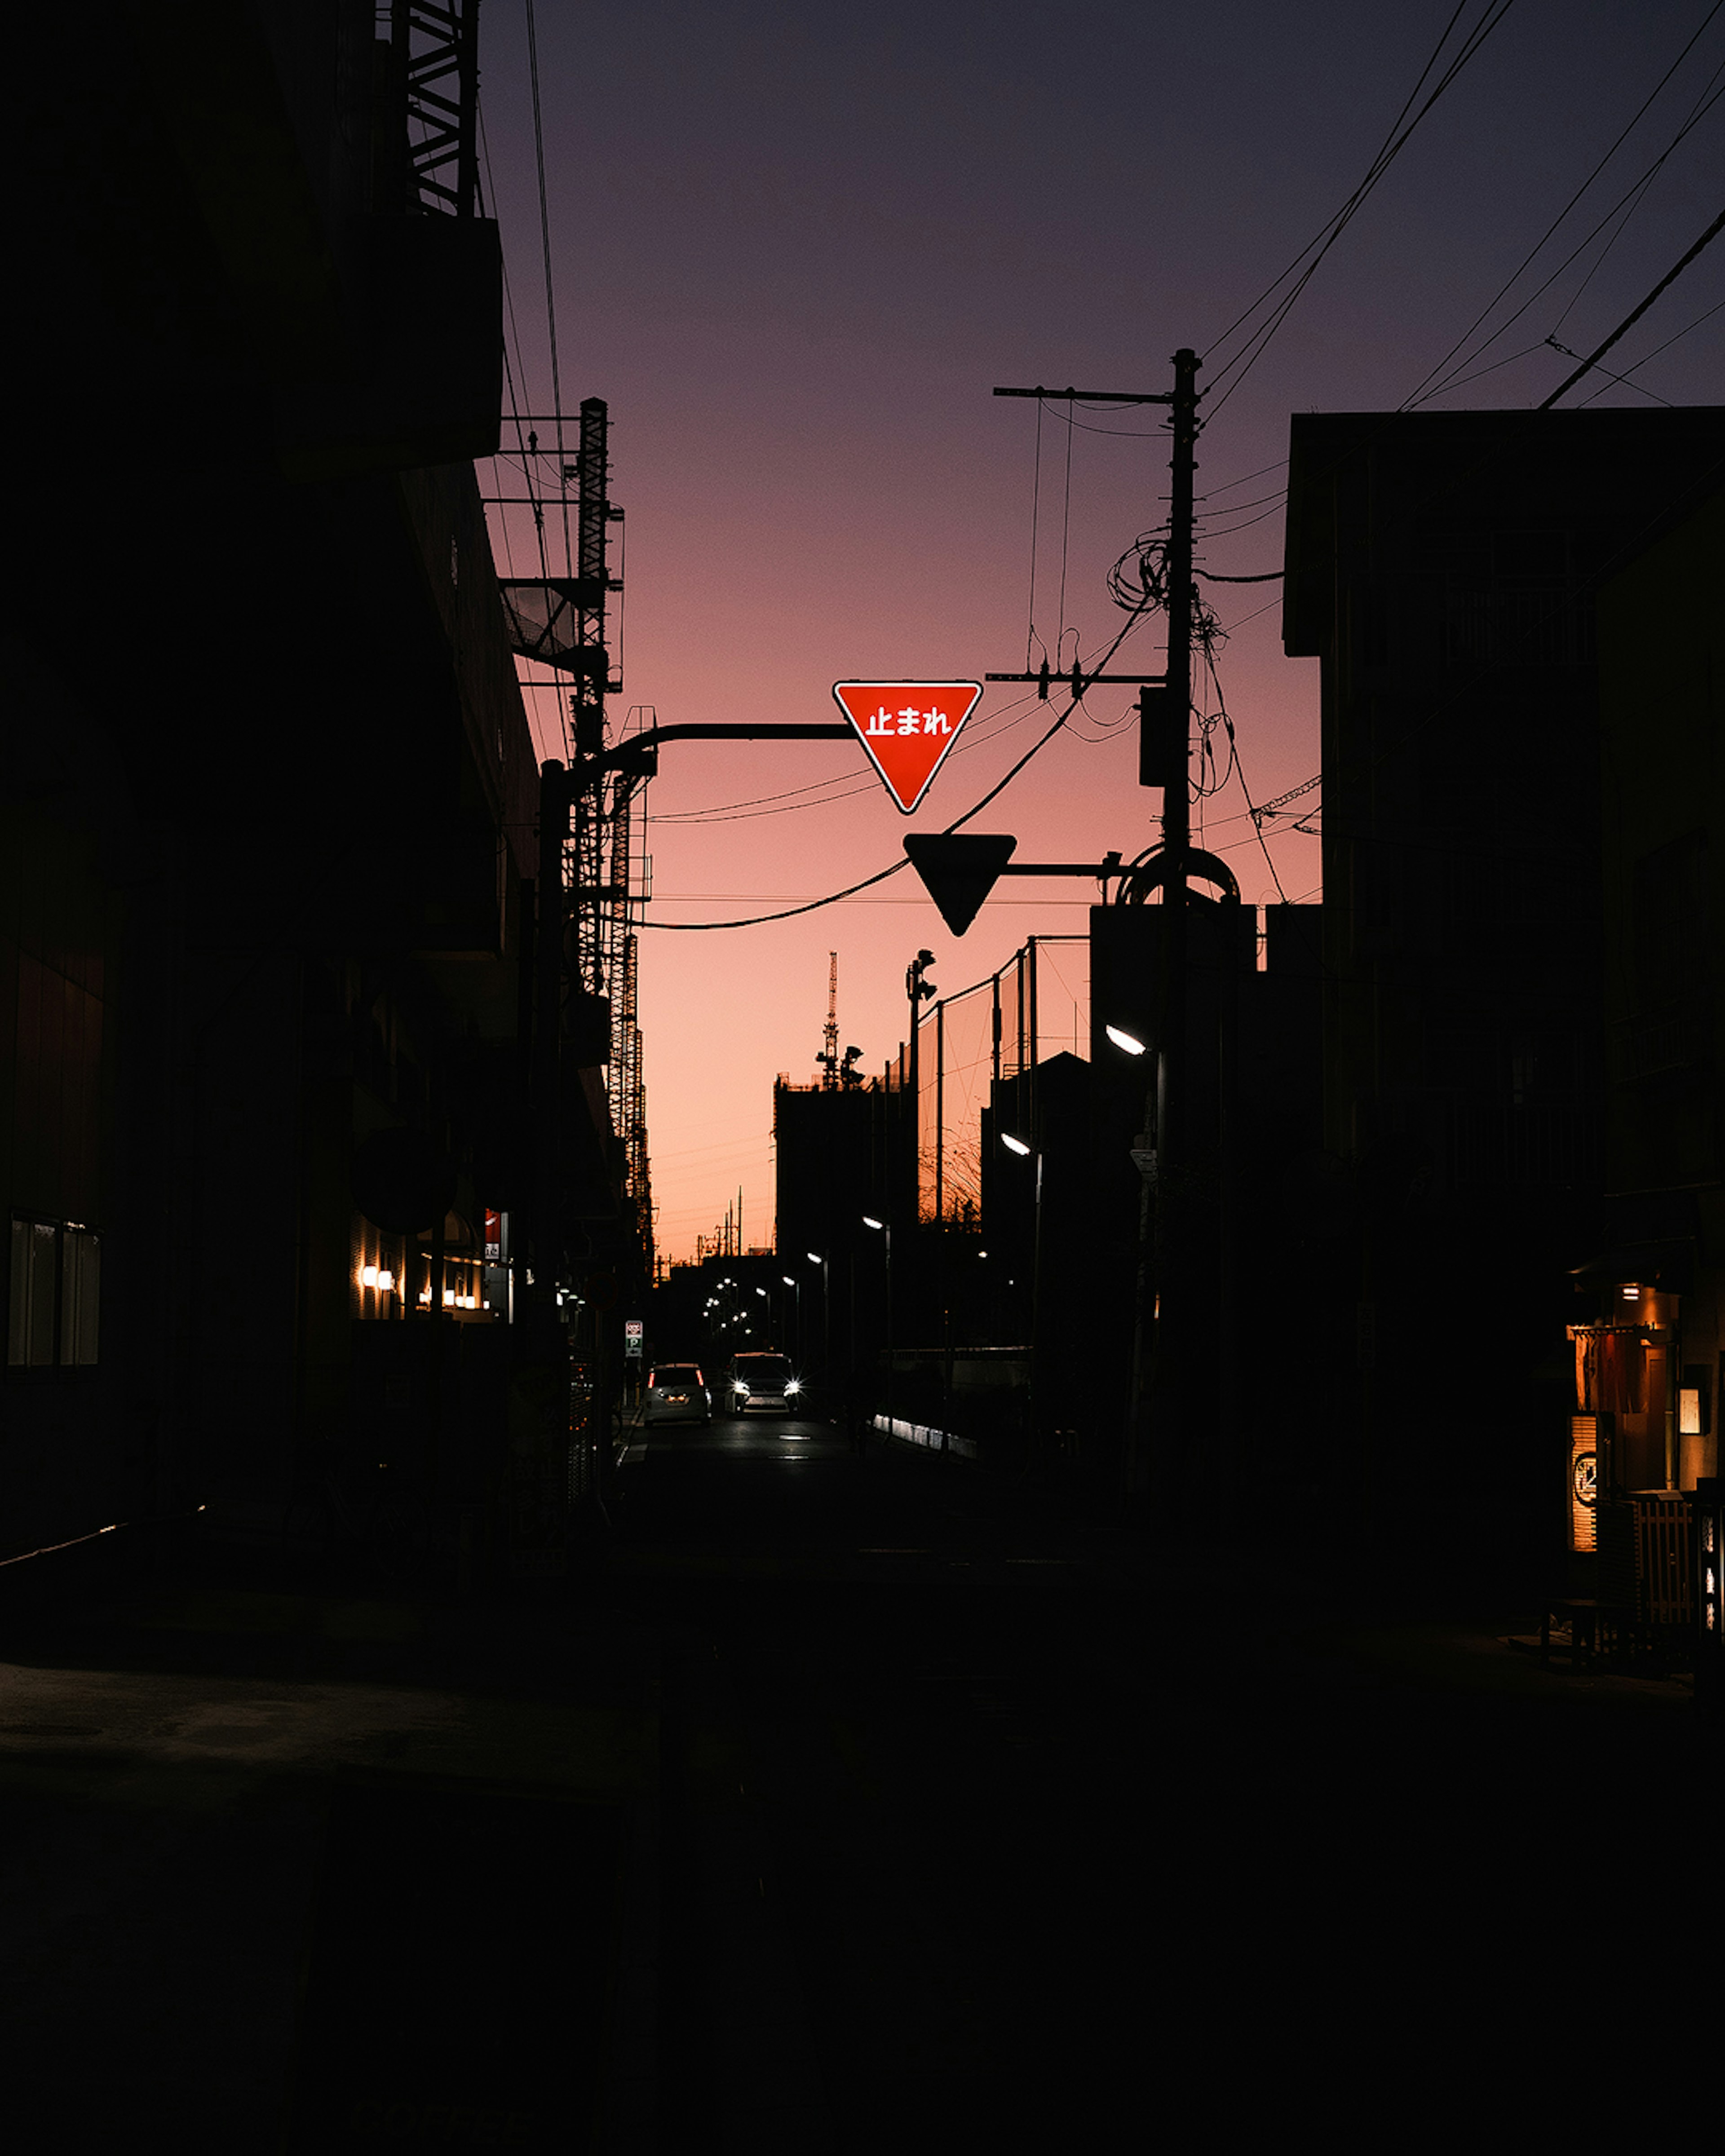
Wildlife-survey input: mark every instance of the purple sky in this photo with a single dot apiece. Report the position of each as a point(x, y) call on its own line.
point(795, 247)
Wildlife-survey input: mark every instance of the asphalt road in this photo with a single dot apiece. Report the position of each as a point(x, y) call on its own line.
point(840, 1805)
point(904, 1766)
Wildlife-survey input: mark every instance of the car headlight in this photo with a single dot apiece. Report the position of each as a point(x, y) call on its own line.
point(793, 1387)
point(741, 1386)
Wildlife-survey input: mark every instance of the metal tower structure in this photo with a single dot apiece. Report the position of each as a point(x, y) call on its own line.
point(606, 867)
point(561, 622)
point(428, 71)
point(829, 1060)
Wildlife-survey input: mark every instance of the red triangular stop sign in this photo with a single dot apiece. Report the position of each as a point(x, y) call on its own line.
point(907, 727)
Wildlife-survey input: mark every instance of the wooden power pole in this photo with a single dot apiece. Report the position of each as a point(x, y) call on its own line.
point(1160, 1375)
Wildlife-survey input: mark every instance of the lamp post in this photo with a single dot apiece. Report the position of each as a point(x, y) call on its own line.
point(916, 990)
point(1147, 1303)
point(1025, 1151)
point(885, 1228)
point(796, 1288)
point(815, 1258)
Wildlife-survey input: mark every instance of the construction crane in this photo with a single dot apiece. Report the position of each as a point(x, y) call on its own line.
point(837, 1073)
point(829, 1060)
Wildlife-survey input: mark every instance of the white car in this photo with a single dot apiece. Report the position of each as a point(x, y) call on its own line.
point(763, 1384)
point(676, 1393)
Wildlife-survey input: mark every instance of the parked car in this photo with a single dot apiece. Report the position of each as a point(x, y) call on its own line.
point(676, 1391)
point(762, 1383)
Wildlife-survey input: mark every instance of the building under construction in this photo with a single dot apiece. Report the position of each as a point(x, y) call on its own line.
point(559, 623)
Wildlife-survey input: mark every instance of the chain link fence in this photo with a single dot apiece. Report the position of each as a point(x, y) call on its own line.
point(1036, 1006)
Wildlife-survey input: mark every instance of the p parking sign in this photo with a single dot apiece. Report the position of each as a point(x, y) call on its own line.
point(634, 1331)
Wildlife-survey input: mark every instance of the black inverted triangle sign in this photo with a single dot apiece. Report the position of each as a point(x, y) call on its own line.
point(958, 870)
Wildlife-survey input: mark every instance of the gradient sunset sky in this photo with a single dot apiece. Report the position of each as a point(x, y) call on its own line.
point(795, 247)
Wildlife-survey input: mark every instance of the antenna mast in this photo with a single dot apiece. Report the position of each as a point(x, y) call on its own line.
point(829, 1060)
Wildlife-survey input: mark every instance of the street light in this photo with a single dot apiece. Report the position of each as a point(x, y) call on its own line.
point(1123, 1039)
point(815, 1258)
point(885, 1228)
point(796, 1290)
point(1025, 1151)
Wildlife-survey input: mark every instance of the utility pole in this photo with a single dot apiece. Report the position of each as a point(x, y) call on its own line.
point(1165, 720)
point(537, 1478)
point(916, 991)
point(1159, 1377)
point(545, 1238)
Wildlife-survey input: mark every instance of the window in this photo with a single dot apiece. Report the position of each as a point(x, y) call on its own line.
point(80, 1295)
point(53, 1299)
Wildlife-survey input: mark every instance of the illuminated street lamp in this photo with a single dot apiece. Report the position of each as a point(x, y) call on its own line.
point(815, 1258)
point(1025, 1151)
point(1123, 1039)
point(796, 1290)
point(885, 1228)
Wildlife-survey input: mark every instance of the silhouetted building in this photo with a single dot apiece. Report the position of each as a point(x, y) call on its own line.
point(1649, 1321)
point(1443, 567)
point(844, 1153)
point(1224, 1283)
point(268, 789)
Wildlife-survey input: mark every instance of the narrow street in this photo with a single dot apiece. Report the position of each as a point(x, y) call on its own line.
point(905, 1762)
point(845, 1803)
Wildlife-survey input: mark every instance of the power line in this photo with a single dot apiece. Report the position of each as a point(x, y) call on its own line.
point(1245, 478)
point(1706, 315)
point(1623, 380)
point(762, 804)
point(1065, 542)
point(1245, 313)
point(1636, 186)
point(1031, 638)
point(1228, 530)
point(1239, 508)
point(1635, 314)
point(833, 898)
point(1394, 143)
point(1435, 382)
point(510, 371)
point(551, 307)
